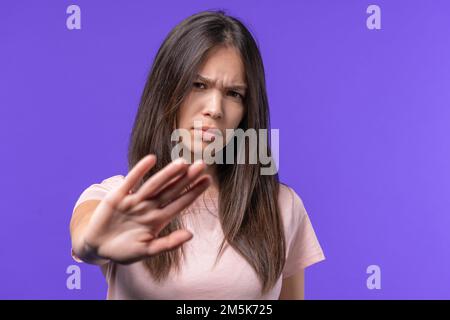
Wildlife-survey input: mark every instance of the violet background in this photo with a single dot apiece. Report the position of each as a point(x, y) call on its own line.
point(363, 116)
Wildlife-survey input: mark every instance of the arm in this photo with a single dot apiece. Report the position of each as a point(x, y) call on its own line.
point(78, 223)
point(124, 226)
point(293, 288)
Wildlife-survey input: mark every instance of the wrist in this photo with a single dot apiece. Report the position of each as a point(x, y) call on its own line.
point(88, 252)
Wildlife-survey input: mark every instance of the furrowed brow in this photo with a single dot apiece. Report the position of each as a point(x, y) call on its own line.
point(241, 87)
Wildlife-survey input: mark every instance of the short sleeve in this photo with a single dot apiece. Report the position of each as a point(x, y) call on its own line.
point(303, 247)
point(97, 191)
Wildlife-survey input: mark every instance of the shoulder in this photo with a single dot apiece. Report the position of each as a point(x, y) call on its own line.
point(98, 190)
point(112, 182)
point(107, 184)
point(303, 247)
point(291, 205)
point(289, 199)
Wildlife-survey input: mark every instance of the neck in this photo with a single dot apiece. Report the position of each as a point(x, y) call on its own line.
point(212, 171)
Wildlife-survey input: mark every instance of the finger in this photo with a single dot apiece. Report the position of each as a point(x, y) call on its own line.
point(171, 181)
point(169, 242)
point(137, 173)
point(153, 185)
point(179, 176)
point(177, 206)
point(174, 189)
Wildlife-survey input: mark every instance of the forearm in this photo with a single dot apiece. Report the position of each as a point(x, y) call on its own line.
point(78, 224)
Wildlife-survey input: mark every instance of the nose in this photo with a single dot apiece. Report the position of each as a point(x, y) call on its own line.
point(213, 107)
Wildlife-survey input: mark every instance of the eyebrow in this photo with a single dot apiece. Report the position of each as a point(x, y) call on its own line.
point(233, 86)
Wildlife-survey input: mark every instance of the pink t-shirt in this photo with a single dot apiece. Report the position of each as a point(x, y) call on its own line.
point(232, 277)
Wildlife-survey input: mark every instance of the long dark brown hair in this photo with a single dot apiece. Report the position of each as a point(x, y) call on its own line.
point(248, 201)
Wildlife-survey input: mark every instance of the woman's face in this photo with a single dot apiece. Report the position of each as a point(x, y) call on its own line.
point(216, 100)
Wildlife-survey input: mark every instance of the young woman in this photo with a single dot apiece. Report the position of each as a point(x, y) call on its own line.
point(175, 230)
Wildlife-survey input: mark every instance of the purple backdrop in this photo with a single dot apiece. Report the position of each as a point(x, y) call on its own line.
point(363, 116)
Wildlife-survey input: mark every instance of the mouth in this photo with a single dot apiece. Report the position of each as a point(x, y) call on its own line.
point(206, 133)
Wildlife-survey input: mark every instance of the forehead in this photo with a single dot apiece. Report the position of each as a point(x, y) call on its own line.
point(224, 63)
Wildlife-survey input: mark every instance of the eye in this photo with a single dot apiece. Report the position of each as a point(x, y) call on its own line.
point(199, 85)
point(235, 94)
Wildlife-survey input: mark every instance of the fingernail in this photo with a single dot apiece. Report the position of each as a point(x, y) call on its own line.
point(199, 161)
point(181, 160)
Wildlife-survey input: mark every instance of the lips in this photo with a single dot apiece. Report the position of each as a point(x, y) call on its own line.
point(206, 133)
point(206, 128)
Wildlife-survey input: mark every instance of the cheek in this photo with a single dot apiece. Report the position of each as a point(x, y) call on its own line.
point(185, 113)
point(237, 117)
point(182, 116)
